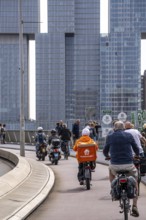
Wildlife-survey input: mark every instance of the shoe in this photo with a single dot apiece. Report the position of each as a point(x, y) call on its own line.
point(81, 182)
point(135, 211)
point(93, 170)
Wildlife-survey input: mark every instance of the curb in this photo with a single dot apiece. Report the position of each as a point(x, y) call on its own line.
point(35, 202)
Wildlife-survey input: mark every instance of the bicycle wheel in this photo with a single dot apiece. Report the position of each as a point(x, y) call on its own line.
point(88, 183)
point(126, 210)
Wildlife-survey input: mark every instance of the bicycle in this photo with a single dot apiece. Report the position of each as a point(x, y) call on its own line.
point(124, 197)
point(65, 149)
point(123, 188)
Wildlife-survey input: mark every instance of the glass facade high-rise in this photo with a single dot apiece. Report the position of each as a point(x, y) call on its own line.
point(67, 59)
point(79, 73)
point(9, 55)
point(120, 53)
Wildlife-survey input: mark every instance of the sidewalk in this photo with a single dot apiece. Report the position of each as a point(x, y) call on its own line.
point(25, 187)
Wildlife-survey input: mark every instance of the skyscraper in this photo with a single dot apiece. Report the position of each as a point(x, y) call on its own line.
point(68, 61)
point(79, 74)
point(9, 55)
point(120, 54)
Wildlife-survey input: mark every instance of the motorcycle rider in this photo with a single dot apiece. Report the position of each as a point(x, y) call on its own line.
point(54, 137)
point(85, 138)
point(40, 138)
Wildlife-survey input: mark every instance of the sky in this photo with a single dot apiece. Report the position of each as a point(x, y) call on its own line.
point(43, 29)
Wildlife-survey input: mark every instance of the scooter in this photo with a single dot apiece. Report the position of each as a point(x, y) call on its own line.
point(42, 152)
point(87, 176)
point(55, 154)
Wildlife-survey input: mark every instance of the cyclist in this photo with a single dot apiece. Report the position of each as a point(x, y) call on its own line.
point(136, 135)
point(65, 136)
point(85, 138)
point(119, 147)
point(76, 130)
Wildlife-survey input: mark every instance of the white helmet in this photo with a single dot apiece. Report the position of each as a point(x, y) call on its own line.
point(40, 129)
point(85, 131)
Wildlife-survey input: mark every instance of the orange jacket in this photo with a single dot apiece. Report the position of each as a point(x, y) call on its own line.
point(84, 139)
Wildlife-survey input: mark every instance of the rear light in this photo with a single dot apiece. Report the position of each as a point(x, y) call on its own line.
point(55, 150)
point(123, 180)
point(87, 167)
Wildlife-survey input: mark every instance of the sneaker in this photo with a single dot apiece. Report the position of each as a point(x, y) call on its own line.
point(135, 211)
point(81, 182)
point(93, 170)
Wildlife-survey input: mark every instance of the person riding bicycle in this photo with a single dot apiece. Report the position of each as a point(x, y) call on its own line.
point(40, 138)
point(136, 135)
point(118, 147)
point(65, 136)
point(85, 138)
point(53, 141)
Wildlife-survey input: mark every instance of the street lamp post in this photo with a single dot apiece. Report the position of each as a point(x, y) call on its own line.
point(21, 68)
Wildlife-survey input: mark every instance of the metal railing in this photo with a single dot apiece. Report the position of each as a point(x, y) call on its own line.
point(14, 137)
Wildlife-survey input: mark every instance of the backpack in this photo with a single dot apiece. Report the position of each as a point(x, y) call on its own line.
point(40, 138)
point(131, 187)
point(115, 190)
point(2, 130)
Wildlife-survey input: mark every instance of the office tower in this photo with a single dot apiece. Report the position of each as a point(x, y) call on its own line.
point(67, 63)
point(120, 54)
point(143, 91)
point(9, 56)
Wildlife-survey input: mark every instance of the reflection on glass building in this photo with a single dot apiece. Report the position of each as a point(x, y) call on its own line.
point(68, 62)
point(9, 56)
point(79, 74)
point(120, 53)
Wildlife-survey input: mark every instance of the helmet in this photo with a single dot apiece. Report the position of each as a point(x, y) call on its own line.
point(85, 131)
point(144, 126)
point(53, 131)
point(40, 129)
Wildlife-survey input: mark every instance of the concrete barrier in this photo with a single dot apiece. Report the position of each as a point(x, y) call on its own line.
point(17, 175)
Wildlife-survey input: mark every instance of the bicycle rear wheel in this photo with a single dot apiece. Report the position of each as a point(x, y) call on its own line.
point(126, 210)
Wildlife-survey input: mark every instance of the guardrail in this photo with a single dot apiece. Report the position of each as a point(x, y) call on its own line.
point(14, 137)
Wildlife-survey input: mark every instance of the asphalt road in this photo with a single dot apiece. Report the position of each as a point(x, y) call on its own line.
point(69, 200)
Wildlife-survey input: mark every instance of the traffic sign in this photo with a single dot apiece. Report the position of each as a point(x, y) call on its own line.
point(106, 119)
point(122, 116)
